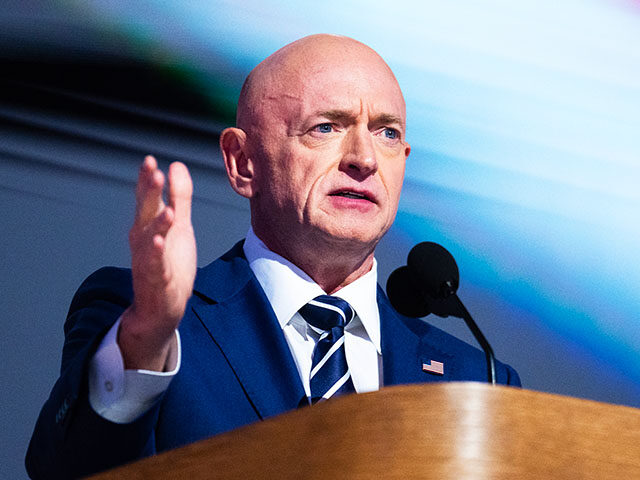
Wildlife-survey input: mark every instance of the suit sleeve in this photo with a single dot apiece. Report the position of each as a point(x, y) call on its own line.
point(70, 440)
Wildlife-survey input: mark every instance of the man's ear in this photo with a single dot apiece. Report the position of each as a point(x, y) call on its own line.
point(240, 167)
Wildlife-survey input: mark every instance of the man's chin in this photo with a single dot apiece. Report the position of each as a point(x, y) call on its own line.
point(352, 237)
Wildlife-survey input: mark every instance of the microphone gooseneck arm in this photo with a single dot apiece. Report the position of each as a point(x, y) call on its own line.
point(480, 338)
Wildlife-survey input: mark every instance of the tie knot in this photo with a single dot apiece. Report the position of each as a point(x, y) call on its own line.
point(326, 312)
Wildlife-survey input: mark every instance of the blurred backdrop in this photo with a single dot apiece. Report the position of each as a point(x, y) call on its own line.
point(524, 118)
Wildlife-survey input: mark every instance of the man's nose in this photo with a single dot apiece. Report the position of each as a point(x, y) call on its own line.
point(359, 154)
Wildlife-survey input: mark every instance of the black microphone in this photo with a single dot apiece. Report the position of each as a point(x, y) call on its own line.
point(436, 268)
point(405, 294)
point(428, 284)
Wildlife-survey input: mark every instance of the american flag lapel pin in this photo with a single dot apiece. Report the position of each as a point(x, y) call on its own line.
point(437, 368)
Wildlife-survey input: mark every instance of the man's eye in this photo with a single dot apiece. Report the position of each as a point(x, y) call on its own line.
point(324, 128)
point(391, 133)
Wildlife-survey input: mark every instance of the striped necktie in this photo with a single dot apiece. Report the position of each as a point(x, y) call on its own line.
point(330, 374)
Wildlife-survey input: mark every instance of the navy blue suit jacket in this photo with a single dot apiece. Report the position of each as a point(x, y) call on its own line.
point(236, 369)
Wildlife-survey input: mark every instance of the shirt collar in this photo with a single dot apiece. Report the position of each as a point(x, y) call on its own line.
point(288, 288)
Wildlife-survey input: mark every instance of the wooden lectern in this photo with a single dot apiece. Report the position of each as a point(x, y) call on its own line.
point(436, 431)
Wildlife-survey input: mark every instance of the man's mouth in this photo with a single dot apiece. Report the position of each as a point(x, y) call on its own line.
point(351, 194)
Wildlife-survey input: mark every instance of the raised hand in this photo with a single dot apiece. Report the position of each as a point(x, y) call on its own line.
point(163, 264)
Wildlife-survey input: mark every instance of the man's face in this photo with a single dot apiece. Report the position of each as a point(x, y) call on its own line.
point(330, 151)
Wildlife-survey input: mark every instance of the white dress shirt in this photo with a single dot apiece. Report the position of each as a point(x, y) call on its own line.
point(288, 289)
point(121, 395)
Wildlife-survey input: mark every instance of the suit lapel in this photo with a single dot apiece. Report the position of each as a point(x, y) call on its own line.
point(406, 347)
point(242, 323)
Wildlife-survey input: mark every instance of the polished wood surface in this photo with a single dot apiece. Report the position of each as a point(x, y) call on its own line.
point(438, 431)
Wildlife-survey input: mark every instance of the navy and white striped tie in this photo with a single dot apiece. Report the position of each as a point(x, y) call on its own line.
point(330, 374)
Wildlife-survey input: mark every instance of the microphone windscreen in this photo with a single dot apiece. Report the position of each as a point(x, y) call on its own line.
point(405, 294)
point(435, 267)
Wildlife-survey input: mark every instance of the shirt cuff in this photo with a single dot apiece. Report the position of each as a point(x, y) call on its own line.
point(120, 395)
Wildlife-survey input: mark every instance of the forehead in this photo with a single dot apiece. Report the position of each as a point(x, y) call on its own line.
point(307, 85)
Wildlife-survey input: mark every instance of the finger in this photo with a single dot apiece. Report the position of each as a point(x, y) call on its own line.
point(180, 191)
point(146, 170)
point(149, 191)
point(162, 223)
point(148, 249)
point(141, 235)
point(149, 269)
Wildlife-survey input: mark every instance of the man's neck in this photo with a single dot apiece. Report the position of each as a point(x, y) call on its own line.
point(332, 267)
point(332, 276)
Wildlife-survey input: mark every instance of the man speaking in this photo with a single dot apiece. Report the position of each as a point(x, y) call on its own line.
point(165, 353)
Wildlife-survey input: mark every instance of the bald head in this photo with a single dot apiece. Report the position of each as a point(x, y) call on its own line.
point(298, 63)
